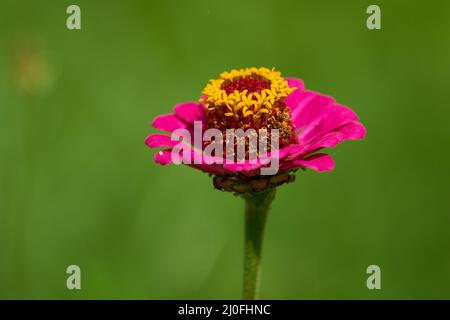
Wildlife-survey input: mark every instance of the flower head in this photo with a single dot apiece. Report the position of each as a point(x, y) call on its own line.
point(271, 108)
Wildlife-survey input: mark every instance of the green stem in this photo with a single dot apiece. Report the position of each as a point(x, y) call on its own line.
point(257, 207)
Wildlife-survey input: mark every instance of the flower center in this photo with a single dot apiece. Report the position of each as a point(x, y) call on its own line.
point(251, 84)
point(250, 98)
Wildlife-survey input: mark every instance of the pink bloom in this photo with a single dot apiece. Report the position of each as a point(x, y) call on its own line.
point(261, 98)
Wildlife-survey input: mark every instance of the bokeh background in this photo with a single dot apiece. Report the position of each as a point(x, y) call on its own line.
point(78, 186)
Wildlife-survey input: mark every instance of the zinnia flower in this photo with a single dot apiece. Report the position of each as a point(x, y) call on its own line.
point(259, 99)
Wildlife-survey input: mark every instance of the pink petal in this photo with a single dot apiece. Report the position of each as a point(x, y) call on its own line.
point(190, 112)
point(310, 106)
point(353, 131)
point(334, 116)
point(263, 160)
point(320, 137)
point(350, 131)
point(320, 162)
point(329, 140)
point(238, 167)
point(163, 157)
point(159, 140)
point(249, 168)
point(287, 151)
point(192, 157)
point(297, 101)
point(168, 122)
point(315, 115)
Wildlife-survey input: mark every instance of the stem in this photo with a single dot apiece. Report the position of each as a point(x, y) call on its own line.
point(256, 210)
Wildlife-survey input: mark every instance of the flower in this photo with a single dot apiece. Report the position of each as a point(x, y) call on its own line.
point(259, 99)
point(255, 106)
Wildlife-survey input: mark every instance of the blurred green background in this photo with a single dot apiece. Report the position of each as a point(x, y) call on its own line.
point(78, 186)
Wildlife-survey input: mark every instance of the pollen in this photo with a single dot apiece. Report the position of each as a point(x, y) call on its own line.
point(249, 98)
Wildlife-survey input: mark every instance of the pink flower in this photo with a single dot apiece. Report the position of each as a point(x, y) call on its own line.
point(261, 99)
point(262, 106)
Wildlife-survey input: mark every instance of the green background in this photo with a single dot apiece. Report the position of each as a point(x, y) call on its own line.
point(78, 185)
